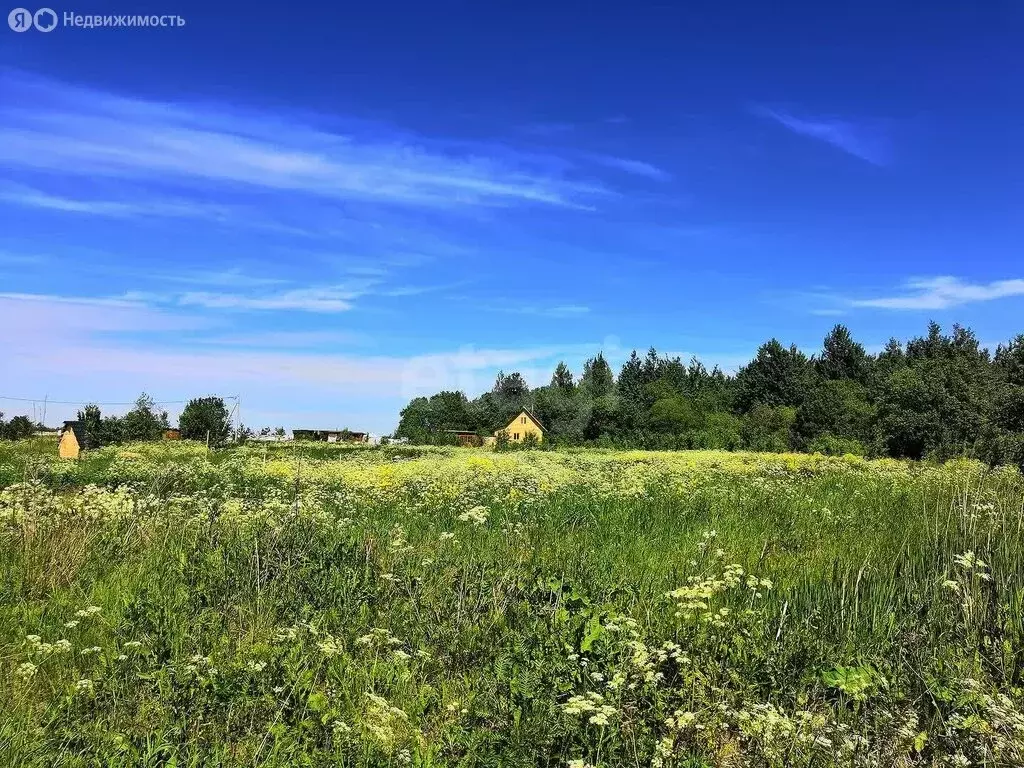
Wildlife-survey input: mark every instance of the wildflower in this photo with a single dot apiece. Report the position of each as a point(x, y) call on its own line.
point(447, 536)
point(71, 624)
point(477, 515)
point(90, 651)
point(286, 633)
point(84, 686)
point(256, 666)
point(330, 647)
point(26, 670)
point(133, 644)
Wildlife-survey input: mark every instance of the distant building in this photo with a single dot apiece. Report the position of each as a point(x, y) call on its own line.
point(72, 440)
point(270, 438)
point(331, 435)
point(172, 434)
point(522, 425)
point(466, 438)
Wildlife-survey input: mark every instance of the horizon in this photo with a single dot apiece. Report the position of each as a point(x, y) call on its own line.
point(328, 218)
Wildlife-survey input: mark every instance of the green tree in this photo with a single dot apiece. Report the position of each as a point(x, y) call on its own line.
point(18, 428)
point(838, 407)
point(414, 423)
point(768, 428)
point(562, 379)
point(511, 395)
point(842, 357)
point(777, 376)
point(909, 421)
point(1004, 440)
point(597, 380)
point(675, 414)
point(143, 421)
point(205, 418)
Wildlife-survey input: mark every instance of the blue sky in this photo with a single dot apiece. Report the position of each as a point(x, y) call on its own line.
point(331, 210)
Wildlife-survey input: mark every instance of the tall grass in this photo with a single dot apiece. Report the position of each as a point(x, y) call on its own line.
point(162, 606)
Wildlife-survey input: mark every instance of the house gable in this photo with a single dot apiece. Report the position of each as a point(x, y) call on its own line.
point(524, 424)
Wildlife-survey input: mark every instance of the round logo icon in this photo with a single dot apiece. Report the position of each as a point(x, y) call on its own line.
point(20, 20)
point(45, 20)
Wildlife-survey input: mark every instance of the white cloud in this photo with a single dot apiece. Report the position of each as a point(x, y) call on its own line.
point(53, 127)
point(288, 339)
point(30, 197)
point(943, 293)
point(861, 140)
point(326, 299)
point(636, 167)
point(539, 310)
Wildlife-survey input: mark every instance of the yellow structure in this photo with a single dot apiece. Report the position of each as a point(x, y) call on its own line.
point(71, 440)
point(522, 425)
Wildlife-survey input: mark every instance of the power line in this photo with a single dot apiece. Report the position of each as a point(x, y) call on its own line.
point(93, 402)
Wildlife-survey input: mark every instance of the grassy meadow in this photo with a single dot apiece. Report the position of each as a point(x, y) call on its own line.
point(315, 605)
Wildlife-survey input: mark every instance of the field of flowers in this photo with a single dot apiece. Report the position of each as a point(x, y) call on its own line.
point(308, 605)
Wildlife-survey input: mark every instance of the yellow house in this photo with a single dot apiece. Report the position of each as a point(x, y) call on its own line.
point(522, 425)
point(72, 440)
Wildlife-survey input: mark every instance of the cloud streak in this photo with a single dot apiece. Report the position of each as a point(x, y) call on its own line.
point(859, 140)
point(635, 167)
point(48, 126)
point(942, 293)
point(30, 197)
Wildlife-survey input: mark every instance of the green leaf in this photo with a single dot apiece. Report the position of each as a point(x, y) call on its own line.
point(594, 631)
point(318, 701)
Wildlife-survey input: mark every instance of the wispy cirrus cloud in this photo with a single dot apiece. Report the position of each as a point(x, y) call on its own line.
point(942, 293)
point(320, 299)
point(555, 311)
point(53, 127)
point(861, 139)
point(29, 197)
point(635, 167)
point(288, 339)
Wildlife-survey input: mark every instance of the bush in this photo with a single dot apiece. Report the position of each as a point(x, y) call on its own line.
point(830, 445)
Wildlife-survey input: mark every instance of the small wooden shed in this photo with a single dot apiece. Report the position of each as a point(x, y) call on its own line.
point(72, 440)
point(466, 438)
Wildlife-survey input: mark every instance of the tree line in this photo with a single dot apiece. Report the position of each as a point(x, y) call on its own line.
point(937, 396)
point(203, 418)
